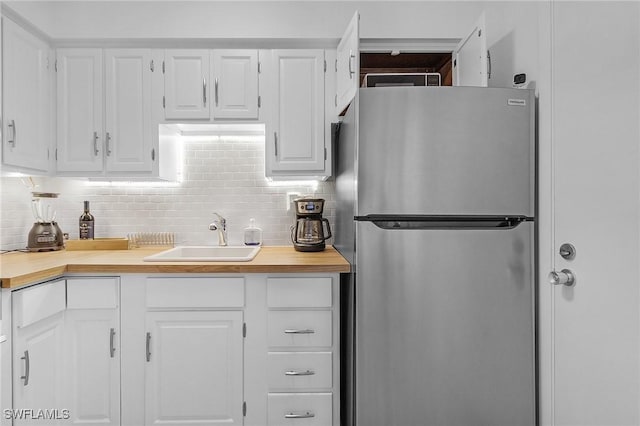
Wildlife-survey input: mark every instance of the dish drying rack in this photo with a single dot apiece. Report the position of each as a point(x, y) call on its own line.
point(138, 239)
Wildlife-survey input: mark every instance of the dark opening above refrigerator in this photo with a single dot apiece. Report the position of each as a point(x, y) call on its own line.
point(436, 213)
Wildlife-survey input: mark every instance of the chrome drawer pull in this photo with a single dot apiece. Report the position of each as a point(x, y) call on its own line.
point(299, 373)
point(306, 415)
point(301, 331)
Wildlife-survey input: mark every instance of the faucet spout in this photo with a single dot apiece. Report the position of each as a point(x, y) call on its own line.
point(220, 225)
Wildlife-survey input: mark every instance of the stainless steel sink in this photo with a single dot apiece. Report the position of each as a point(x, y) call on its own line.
point(205, 254)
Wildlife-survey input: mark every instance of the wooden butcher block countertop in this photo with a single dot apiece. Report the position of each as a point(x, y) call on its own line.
point(17, 269)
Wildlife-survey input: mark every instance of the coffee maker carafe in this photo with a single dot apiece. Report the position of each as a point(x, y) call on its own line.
point(308, 234)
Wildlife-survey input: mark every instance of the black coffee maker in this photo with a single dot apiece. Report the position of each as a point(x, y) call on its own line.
point(308, 234)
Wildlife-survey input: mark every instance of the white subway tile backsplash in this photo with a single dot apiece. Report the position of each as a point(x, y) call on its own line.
point(220, 175)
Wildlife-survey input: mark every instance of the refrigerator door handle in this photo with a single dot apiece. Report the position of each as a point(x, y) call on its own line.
point(391, 222)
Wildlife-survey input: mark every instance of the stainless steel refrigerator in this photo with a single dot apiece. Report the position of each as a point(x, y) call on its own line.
point(436, 213)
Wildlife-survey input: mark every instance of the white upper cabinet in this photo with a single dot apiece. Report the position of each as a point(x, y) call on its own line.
point(235, 84)
point(104, 112)
point(296, 131)
point(470, 58)
point(129, 145)
point(27, 96)
point(80, 110)
point(186, 85)
point(348, 65)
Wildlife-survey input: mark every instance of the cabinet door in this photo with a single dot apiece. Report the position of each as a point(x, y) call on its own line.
point(128, 138)
point(38, 369)
point(92, 336)
point(348, 65)
point(235, 84)
point(80, 110)
point(295, 141)
point(93, 366)
point(470, 58)
point(194, 368)
point(27, 127)
point(186, 86)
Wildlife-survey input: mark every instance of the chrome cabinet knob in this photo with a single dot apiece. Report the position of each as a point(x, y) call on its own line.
point(564, 277)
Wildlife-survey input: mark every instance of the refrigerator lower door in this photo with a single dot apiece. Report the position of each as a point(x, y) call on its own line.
point(444, 327)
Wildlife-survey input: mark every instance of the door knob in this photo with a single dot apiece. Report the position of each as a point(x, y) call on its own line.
point(564, 277)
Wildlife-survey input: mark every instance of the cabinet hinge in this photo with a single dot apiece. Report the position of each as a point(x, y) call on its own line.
point(48, 154)
point(244, 409)
point(163, 102)
point(259, 67)
point(56, 154)
point(153, 154)
point(259, 101)
point(162, 67)
point(325, 65)
point(152, 66)
point(55, 65)
point(335, 100)
point(336, 65)
point(325, 154)
point(244, 329)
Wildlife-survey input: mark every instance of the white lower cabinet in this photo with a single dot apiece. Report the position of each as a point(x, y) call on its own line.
point(92, 351)
point(194, 368)
point(38, 354)
point(302, 359)
point(300, 409)
point(134, 350)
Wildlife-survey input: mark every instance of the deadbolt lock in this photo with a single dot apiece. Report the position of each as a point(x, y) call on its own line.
point(567, 251)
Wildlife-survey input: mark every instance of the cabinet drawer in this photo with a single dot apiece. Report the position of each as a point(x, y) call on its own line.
point(299, 329)
point(300, 409)
point(195, 292)
point(299, 292)
point(300, 370)
point(36, 303)
point(92, 293)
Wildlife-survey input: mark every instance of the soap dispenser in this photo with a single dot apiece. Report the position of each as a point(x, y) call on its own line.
point(252, 234)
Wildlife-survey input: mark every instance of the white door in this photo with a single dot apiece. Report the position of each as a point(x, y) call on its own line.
point(235, 83)
point(93, 366)
point(194, 368)
point(186, 85)
point(80, 138)
point(92, 351)
point(37, 315)
point(38, 370)
point(470, 57)
point(295, 141)
point(26, 91)
point(590, 331)
point(348, 65)
point(128, 137)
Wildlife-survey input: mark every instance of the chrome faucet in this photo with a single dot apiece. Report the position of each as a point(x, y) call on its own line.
point(220, 225)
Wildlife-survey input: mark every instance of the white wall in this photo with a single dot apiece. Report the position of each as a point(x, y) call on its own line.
point(222, 175)
point(247, 19)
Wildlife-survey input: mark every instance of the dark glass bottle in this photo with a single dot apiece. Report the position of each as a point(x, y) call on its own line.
point(86, 223)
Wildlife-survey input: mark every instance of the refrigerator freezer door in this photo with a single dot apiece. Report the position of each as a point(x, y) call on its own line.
point(446, 151)
point(444, 327)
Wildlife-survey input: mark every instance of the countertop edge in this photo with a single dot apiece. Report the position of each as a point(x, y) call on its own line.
point(91, 264)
